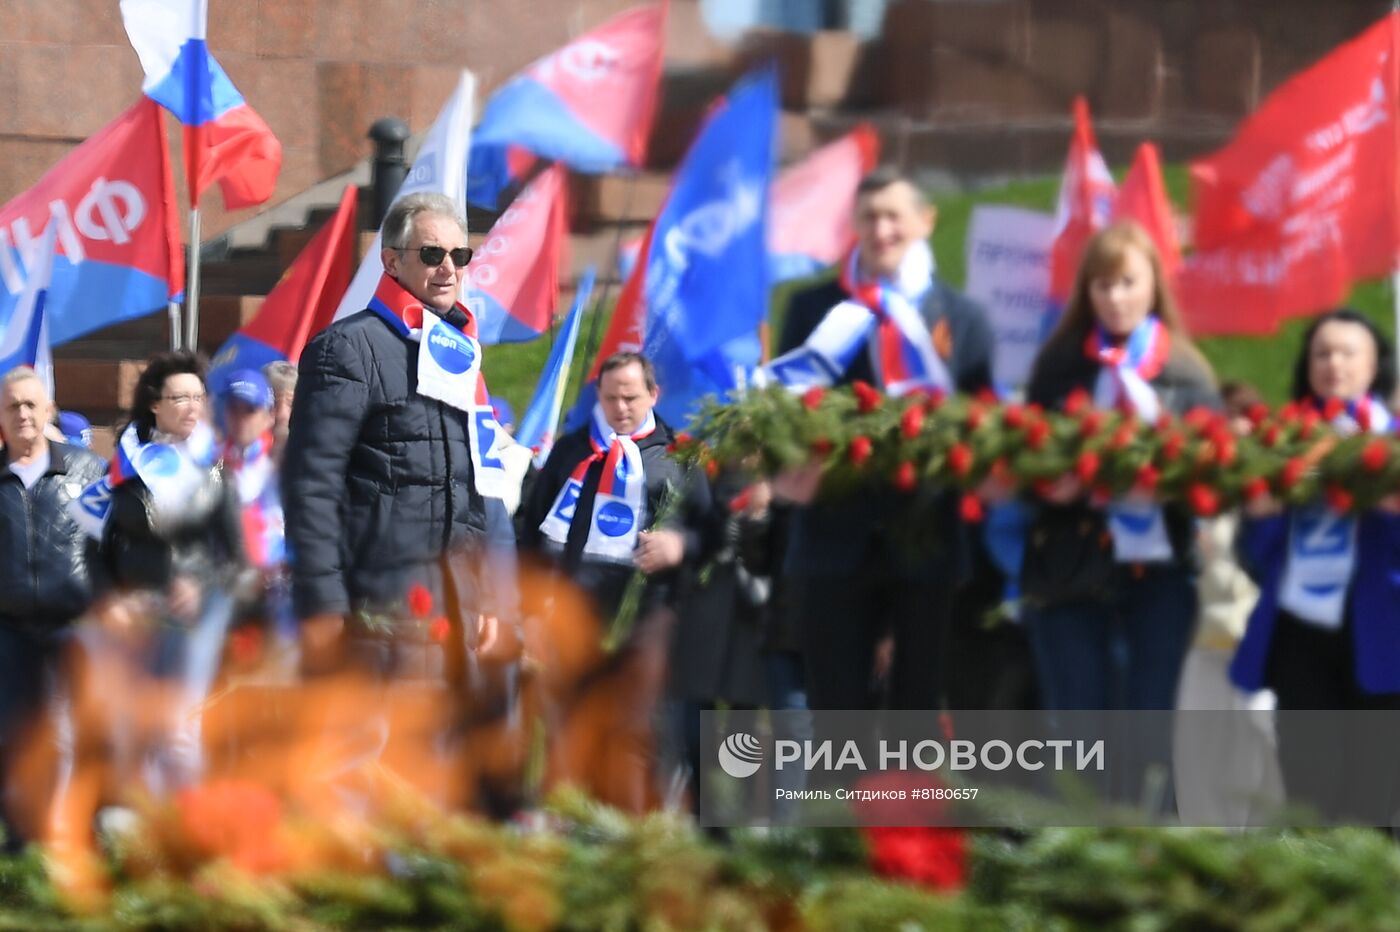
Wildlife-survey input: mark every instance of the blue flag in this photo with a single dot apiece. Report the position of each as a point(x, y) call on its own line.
point(538, 426)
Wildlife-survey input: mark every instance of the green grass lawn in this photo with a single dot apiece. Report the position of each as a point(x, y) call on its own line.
point(1265, 362)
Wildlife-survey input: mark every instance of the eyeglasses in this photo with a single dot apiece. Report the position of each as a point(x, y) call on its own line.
point(432, 256)
point(184, 400)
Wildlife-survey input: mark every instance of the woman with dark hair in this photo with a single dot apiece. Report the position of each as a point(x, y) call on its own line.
point(173, 533)
point(1324, 634)
point(1110, 591)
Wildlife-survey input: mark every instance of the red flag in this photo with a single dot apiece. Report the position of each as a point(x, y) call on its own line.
point(1143, 198)
point(303, 303)
point(627, 329)
point(515, 276)
point(1302, 202)
point(113, 200)
point(810, 225)
point(1084, 206)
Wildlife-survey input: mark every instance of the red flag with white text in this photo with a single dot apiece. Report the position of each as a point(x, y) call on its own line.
point(1302, 202)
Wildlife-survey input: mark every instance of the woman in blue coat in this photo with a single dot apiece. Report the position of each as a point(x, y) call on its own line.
point(1325, 634)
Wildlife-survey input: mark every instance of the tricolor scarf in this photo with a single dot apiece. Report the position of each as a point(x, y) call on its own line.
point(620, 503)
point(1322, 543)
point(902, 350)
point(1138, 529)
point(172, 472)
point(449, 370)
point(254, 475)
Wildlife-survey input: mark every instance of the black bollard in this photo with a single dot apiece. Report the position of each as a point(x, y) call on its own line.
point(390, 168)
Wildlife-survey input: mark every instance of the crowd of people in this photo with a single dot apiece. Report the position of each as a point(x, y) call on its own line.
point(365, 508)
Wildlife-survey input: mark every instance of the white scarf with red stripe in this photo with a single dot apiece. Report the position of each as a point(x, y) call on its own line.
point(620, 504)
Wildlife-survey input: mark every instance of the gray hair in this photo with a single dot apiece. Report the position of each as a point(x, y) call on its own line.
point(19, 374)
point(398, 223)
point(281, 375)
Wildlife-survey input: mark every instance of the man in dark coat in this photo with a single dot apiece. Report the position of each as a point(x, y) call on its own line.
point(388, 455)
point(607, 503)
point(855, 573)
point(47, 561)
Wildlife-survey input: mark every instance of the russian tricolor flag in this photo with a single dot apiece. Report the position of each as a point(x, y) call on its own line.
point(1085, 204)
point(541, 419)
point(225, 139)
point(24, 340)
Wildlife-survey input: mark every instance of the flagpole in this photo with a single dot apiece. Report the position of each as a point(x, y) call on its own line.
point(592, 345)
point(192, 298)
point(173, 309)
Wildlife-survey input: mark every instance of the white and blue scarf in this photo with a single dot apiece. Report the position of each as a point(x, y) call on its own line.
point(619, 507)
point(1322, 543)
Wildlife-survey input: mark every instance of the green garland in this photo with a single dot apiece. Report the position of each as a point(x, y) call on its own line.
point(861, 439)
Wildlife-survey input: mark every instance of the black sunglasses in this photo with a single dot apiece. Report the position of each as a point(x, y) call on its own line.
point(432, 256)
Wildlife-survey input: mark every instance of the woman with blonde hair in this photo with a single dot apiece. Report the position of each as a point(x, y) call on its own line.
point(1110, 589)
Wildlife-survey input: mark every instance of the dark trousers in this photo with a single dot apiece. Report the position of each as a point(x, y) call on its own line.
point(1125, 652)
point(842, 618)
point(1344, 766)
point(30, 660)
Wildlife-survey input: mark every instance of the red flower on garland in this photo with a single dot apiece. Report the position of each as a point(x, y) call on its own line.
point(1171, 449)
point(860, 450)
point(1122, 436)
point(420, 601)
point(741, 501)
point(976, 416)
point(1339, 499)
point(440, 630)
point(812, 397)
point(1333, 408)
point(1014, 416)
point(1257, 412)
point(1292, 472)
point(1037, 433)
point(1077, 402)
point(960, 459)
point(868, 397)
point(1271, 435)
point(683, 438)
point(970, 509)
point(822, 446)
point(1375, 455)
point(905, 478)
point(911, 422)
point(712, 468)
point(1091, 424)
point(1147, 478)
point(935, 400)
point(1204, 500)
point(1086, 467)
point(929, 856)
point(1255, 489)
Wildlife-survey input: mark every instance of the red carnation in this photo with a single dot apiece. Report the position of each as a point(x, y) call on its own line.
point(822, 446)
point(1163, 422)
point(1037, 433)
point(1001, 470)
point(1256, 489)
point(1271, 435)
point(1203, 499)
point(1091, 423)
point(1226, 451)
point(935, 400)
point(1171, 449)
point(1333, 408)
point(683, 438)
point(1289, 412)
point(970, 509)
point(986, 395)
point(420, 601)
point(1086, 467)
point(440, 630)
point(860, 450)
point(741, 501)
point(1292, 472)
point(905, 479)
point(1147, 478)
point(929, 856)
point(711, 468)
point(868, 397)
point(1200, 418)
point(960, 459)
point(976, 415)
point(1375, 455)
point(1122, 436)
point(1257, 412)
point(1339, 499)
point(1035, 409)
point(1077, 401)
point(1014, 417)
point(911, 422)
point(812, 397)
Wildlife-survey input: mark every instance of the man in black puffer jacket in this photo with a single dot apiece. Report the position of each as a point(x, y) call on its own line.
point(47, 561)
point(382, 496)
